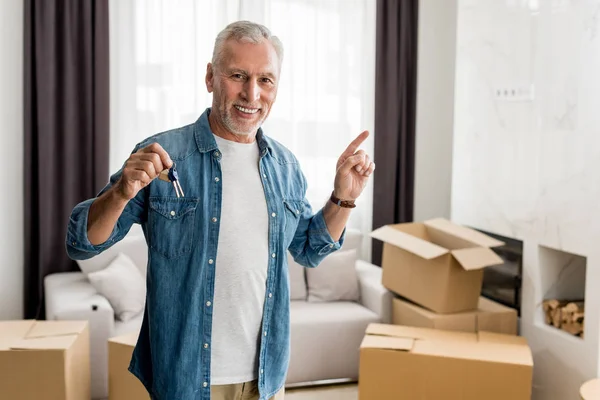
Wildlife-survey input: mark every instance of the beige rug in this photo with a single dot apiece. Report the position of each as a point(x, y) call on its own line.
point(334, 392)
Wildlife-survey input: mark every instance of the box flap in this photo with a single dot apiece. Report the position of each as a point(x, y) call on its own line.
point(129, 339)
point(11, 331)
point(515, 348)
point(463, 232)
point(481, 351)
point(419, 333)
point(56, 328)
point(45, 343)
point(415, 245)
point(391, 330)
point(476, 258)
point(387, 343)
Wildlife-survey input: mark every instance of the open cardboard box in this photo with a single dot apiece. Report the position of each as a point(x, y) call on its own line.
point(399, 362)
point(436, 263)
point(47, 360)
point(489, 316)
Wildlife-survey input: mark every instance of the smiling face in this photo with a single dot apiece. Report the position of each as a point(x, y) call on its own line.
point(244, 86)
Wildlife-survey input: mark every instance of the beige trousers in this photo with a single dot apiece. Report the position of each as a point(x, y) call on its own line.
point(240, 391)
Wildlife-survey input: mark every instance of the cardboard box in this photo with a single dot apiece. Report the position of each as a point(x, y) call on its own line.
point(122, 384)
point(399, 362)
point(47, 360)
point(436, 264)
point(489, 316)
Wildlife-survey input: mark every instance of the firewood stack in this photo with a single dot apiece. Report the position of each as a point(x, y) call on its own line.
point(565, 315)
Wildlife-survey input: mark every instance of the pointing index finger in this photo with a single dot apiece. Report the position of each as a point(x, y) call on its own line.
point(353, 146)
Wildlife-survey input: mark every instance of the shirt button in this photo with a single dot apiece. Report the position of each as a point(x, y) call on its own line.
point(217, 179)
point(173, 213)
point(73, 243)
point(264, 175)
point(331, 245)
point(265, 333)
point(262, 371)
point(297, 211)
point(208, 303)
point(205, 384)
point(214, 219)
point(270, 295)
point(273, 255)
point(210, 261)
point(206, 345)
point(217, 154)
point(273, 215)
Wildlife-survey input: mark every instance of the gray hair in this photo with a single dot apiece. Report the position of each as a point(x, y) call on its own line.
point(245, 32)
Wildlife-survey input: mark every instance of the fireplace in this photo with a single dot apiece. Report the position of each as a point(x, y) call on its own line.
point(502, 283)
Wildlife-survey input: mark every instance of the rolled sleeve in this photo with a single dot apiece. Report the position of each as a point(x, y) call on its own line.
point(78, 244)
point(319, 238)
point(312, 245)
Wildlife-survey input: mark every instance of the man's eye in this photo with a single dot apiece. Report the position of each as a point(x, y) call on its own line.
point(238, 76)
point(267, 80)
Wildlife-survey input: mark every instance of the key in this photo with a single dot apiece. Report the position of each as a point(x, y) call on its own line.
point(174, 177)
point(171, 175)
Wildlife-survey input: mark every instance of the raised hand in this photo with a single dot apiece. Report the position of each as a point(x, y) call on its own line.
point(141, 168)
point(353, 169)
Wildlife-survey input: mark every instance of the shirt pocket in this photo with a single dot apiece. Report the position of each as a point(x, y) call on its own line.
point(171, 222)
point(293, 211)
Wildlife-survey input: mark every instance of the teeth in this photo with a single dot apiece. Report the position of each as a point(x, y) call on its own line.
point(247, 110)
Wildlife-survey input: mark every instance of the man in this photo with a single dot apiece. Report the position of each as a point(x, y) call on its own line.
point(216, 322)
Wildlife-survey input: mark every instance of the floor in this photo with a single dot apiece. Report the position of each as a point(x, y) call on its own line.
point(334, 392)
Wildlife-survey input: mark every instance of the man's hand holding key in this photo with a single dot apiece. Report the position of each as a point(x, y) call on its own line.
point(142, 168)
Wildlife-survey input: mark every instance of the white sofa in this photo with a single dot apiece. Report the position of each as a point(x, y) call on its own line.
point(325, 336)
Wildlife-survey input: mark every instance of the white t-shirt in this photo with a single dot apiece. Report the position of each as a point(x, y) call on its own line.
point(240, 267)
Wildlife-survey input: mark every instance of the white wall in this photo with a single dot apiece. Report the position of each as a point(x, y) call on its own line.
point(11, 154)
point(528, 165)
point(435, 108)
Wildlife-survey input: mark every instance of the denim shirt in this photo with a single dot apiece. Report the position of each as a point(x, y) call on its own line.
point(172, 354)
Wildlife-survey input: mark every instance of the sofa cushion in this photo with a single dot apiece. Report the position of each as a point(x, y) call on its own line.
point(123, 286)
point(325, 340)
point(335, 279)
point(297, 279)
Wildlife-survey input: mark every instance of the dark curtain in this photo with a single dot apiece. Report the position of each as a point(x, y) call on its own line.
point(66, 128)
point(395, 114)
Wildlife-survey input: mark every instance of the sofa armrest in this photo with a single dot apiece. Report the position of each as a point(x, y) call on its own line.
point(71, 296)
point(373, 295)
